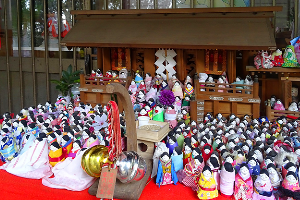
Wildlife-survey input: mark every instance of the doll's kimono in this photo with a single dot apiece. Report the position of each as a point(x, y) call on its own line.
point(254, 170)
point(171, 147)
point(170, 116)
point(207, 188)
point(262, 190)
point(33, 163)
point(9, 150)
point(187, 118)
point(226, 182)
point(158, 116)
point(132, 89)
point(204, 155)
point(186, 104)
point(188, 92)
point(178, 162)
point(186, 158)
point(177, 91)
point(69, 175)
point(88, 144)
point(190, 175)
point(67, 148)
point(166, 173)
point(278, 106)
point(148, 82)
point(243, 188)
point(177, 106)
point(290, 187)
point(180, 140)
point(56, 157)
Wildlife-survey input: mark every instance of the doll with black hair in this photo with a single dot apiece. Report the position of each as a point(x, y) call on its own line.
point(214, 164)
point(275, 177)
point(179, 137)
point(217, 141)
point(166, 173)
point(177, 158)
point(254, 167)
point(55, 154)
point(263, 188)
point(243, 188)
point(75, 149)
point(194, 141)
point(206, 151)
point(187, 151)
point(189, 176)
point(66, 144)
point(171, 144)
point(227, 176)
point(289, 167)
point(207, 184)
point(290, 186)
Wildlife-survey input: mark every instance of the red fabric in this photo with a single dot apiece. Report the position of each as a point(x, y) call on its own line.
point(204, 155)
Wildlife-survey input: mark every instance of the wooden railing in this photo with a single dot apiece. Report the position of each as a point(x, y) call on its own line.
point(98, 81)
point(204, 90)
point(274, 114)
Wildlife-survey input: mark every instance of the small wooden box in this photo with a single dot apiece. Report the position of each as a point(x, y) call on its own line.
point(146, 139)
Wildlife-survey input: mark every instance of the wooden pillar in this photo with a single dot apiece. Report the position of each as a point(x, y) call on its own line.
point(193, 110)
point(149, 60)
point(106, 60)
point(180, 67)
point(245, 61)
point(128, 59)
point(200, 61)
point(215, 107)
point(133, 56)
point(231, 66)
point(268, 112)
point(234, 108)
point(255, 89)
point(99, 59)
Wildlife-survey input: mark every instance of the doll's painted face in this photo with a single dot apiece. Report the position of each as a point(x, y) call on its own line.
point(207, 174)
point(165, 158)
point(291, 179)
point(272, 171)
point(171, 142)
point(229, 159)
point(187, 148)
point(189, 85)
point(245, 148)
point(231, 145)
point(292, 168)
point(218, 141)
point(133, 82)
point(249, 142)
point(252, 163)
point(53, 148)
point(264, 177)
point(197, 162)
point(176, 83)
point(297, 152)
point(195, 153)
point(206, 151)
point(244, 171)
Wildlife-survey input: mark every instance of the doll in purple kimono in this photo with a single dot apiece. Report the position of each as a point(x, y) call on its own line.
point(166, 173)
point(189, 176)
point(227, 176)
point(263, 188)
point(243, 188)
point(171, 144)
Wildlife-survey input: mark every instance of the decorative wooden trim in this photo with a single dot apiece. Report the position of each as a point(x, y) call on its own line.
point(235, 99)
point(179, 11)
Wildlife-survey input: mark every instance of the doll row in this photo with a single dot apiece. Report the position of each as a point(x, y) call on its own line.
point(256, 144)
point(277, 104)
point(52, 141)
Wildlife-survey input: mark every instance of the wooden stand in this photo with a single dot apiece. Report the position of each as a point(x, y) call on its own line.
point(274, 114)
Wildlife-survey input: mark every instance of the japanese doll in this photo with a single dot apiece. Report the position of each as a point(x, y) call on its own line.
point(186, 103)
point(8, 149)
point(177, 90)
point(56, 154)
point(243, 188)
point(214, 164)
point(66, 144)
point(158, 113)
point(227, 176)
point(75, 149)
point(189, 176)
point(142, 86)
point(186, 116)
point(206, 151)
point(290, 186)
point(188, 79)
point(91, 141)
point(148, 81)
point(138, 79)
point(166, 173)
point(289, 57)
point(171, 144)
point(177, 158)
point(221, 81)
point(278, 105)
point(277, 58)
point(132, 87)
point(170, 116)
point(202, 79)
point(189, 90)
point(177, 104)
point(207, 185)
point(275, 177)
point(187, 151)
point(263, 188)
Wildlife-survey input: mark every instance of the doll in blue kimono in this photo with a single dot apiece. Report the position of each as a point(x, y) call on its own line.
point(171, 144)
point(177, 158)
point(254, 167)
point(166, 171)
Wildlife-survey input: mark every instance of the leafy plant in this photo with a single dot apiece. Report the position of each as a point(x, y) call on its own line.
point(67, 80)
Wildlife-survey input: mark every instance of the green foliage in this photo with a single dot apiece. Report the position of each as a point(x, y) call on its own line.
point(67, 80)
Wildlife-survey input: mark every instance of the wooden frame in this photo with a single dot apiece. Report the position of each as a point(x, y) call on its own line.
point(215, 62)
point(274, 114)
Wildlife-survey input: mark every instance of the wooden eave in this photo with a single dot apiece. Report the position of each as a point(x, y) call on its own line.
point(197, 28)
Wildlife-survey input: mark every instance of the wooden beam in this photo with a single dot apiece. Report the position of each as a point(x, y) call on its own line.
point(200, 61)
point(180, 67)
point(178, 11)
point(231, 66)
point(99, 59)
point(106, 60)
point(149, 60)
point(133, 56)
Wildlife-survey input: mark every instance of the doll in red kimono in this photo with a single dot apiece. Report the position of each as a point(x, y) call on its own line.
point(189, 176)
point(170, 116)
point(206, 152)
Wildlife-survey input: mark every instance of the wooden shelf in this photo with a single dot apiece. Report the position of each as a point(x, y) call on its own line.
point(274, 69)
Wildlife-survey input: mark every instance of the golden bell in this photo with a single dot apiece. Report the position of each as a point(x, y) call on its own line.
point(93, 159)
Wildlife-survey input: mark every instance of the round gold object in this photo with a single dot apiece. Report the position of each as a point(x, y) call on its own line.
point(93, 159)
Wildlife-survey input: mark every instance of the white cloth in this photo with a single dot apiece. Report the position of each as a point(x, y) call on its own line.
point(227, 182)
point(69, 175)
point(33, 163)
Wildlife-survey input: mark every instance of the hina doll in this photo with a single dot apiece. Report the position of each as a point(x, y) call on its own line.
point(160, 148)
point(75, 149)
point(206, 152)
point(177, 104)
point(243, 184)
point(227, 176)
point(56, 154)
point(66, 144)
point(189, 176)
point(290, 186)
point(123, 73)
point(132, 87)
point(189, 90)
point(171, 144)
point(166, 173)
point(277, 58)
point(275, 177)
point(138, 79)
point(248, 81)
point(8, 148)
point(186, 103)
point(151, 94)
point(187, 151)
point(202, 79)
point(177, 158)
point(163, 86)
point(263, 188)
point(289, 57)
point(142, 86)
point(214, 164)
point(158, 113)
point(177, 90)
point(221, 81)
point(32, 163)
point(180, 138)
point(254, 167)
point(209, 83)
point(149, 111)
point(170, 116)
point(293, 107)
point(91, 141)
point(148, 81)
point(188, 79)
point(141, 98)
point(186, 116)
point(207, 185)
point(194, 141)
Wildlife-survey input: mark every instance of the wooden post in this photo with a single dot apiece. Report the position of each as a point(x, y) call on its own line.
point(193, 110)
point(268, 111)
point(134, 66)
point(149, 60)
point(255, 87)
point(99, 59)
point(215, 107)
point(106, 60)
point(200, 61)
point(231, 66)
point(180, 66)
point(82, 80)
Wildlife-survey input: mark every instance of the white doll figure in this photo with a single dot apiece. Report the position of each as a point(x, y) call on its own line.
point(209, 82)
point(293, 107)
point(143, 117)
point(123, 73)
point(148, 81)
point(160, 148)
point(177, 90)
point(248, 81)
point(221, 81)
point(133, 87)
point(188, 80)
point(275, 177)
point(202, 79)
point(177, 104)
